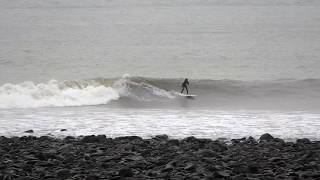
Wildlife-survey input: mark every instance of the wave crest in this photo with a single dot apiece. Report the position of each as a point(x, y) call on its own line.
point(53, 93)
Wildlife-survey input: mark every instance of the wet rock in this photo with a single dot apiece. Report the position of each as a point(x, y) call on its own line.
point(69, 138)
point(46, 138)
point(190, 167)
point(94, 139)
point(253, 168)
point(63, 130)
point(164, 175)
point(222, 174)
point(162, 137)
point(303, 141)
point(108, 158)
point(239, 177)
point(266, 137)
point(89, 139)
point(206, 153)
point(128, 138)
point(274, 159)
point(92, 177)
point(125, 172)
point(64, 148)
point(170, 166)
point(175, 142)
point(135, 158)
point(63, 174)
point(190, 139)
point(29, 131)
point(101, 138)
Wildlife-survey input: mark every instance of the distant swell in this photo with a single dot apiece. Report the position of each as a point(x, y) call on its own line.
point(155, 93)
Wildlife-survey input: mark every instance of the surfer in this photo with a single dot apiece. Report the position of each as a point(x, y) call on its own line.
point(185, 85)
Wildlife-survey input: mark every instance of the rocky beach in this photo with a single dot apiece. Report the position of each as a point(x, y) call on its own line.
point(99, 157)
point(91, 90)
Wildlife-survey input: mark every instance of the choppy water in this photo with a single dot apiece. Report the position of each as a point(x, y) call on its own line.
point(254, 65)
point(178, 123)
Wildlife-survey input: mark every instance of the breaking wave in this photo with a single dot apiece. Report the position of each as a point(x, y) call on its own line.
point(53, 93)
point(151, 92)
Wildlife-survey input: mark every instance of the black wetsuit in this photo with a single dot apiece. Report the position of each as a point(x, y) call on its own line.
point(185, 86)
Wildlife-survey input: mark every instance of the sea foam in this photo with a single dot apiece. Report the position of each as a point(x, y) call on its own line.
point(53, 93)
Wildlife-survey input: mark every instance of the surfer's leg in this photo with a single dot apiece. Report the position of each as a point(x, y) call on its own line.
point(187, 90)
point(182, 89)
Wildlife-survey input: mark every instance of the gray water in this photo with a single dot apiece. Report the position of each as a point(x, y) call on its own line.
point(234, 39)
point(254, 65)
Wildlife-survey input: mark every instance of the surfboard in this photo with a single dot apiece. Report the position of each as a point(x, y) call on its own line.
point(188, 95)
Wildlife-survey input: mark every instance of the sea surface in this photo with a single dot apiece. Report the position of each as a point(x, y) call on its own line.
point(116, 68)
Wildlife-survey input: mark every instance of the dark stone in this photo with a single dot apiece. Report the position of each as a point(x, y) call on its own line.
point(275, 159)
point(93, 139)
point(222, 174)
point(134, 158)
point(69, 138)
point(63, 174)
point(109, 158)
point(309, 174)
point(190, 167)
point(28, 138)
point(46, 138)
point(66, 148)
point(63, 129)
point(125, 172)
point(29, 131)
point(101, 138)
point(92, 177)
point(128, 138)
point(25, 178)
point(190, 139)
point(169, 167)
point(206, 153)
point(175, 142)
point(239, 177)
point(303, 141)
point(164, 175)
point(253, 168)
point(163, 137)
point(265, 137)
point(251, 140)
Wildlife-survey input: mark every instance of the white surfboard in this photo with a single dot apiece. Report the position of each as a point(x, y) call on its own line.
point(188, 95)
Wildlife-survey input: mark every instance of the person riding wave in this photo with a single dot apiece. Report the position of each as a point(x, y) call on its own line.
point(185, 85)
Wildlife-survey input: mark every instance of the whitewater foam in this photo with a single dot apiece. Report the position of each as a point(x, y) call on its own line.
point(77, 93)
point(53, 93)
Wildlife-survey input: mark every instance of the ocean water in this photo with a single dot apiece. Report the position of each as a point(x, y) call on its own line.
point(116, 67)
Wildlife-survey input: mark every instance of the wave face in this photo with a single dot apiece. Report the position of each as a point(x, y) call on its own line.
point(155, 93)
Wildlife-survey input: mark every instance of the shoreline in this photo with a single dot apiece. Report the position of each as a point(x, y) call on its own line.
point(132, 157)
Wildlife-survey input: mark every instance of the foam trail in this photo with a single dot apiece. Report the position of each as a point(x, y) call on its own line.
point(53, 93)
